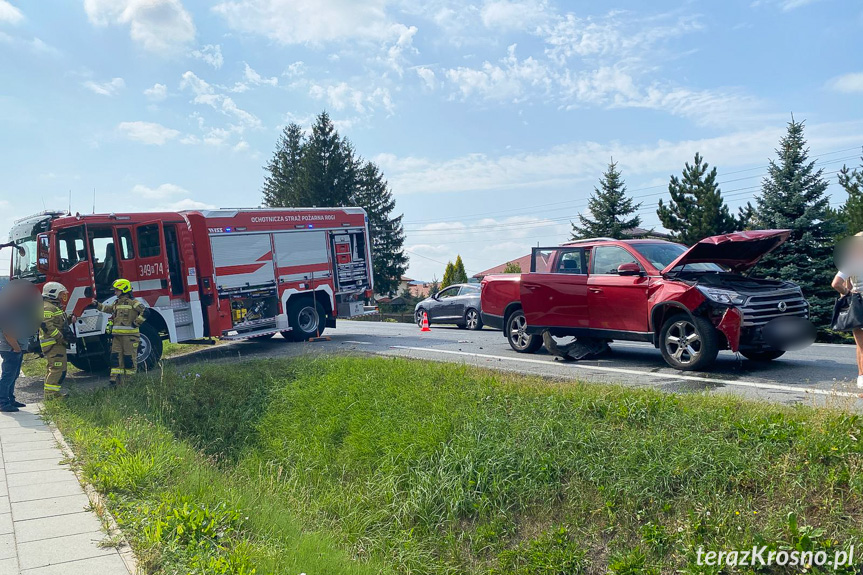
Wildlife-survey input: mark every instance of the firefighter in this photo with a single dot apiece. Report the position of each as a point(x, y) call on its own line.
point(127, 315)
point(54, 335)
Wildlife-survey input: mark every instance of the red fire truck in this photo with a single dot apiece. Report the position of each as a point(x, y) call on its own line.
point(228, 273)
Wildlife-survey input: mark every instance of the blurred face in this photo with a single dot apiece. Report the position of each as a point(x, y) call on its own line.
point(849, 255)
point(63, 297)
point(117, 292)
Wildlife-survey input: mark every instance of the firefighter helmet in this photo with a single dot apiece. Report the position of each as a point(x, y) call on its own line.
point(52, 290)
point(124, 286)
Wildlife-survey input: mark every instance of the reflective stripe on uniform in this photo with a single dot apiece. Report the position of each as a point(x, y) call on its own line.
point(49, 387)
point(46, 343)
point(125, 330)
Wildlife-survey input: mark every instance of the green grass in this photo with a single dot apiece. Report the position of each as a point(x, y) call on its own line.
point(369, 465)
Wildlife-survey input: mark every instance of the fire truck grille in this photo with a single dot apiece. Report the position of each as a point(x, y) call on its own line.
point(761, 309)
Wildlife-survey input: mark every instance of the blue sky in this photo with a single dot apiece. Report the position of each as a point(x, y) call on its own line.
point(491, 119)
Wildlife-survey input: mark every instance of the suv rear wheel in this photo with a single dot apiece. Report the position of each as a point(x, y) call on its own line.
point(518, 338)
point(688, 343)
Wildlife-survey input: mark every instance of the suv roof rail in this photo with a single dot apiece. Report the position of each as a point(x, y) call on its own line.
point(588, 240)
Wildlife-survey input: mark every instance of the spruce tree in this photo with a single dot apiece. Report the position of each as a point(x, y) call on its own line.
point(323, 170)
point(610, 207)
point(388, 238)
point(793, 196)
point(328, 169)
point(281, 184)
point(696, 209)
point(459, 273)
point(851, 212)
point(448, 275)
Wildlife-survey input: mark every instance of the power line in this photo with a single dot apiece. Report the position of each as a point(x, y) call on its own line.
point(664, 186)
point(733, 193)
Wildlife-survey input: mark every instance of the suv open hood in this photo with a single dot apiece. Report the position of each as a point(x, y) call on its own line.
point(739, 251)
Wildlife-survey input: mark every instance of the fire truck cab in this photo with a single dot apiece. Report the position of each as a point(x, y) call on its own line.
point(228, 273)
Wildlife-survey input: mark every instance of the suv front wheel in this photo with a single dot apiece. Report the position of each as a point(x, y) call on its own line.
point(688, 343)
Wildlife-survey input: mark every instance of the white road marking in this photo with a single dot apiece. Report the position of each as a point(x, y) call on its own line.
point(750, 384)
point(357, 342)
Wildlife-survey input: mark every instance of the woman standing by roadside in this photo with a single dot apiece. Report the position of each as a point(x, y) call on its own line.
point(850, 280)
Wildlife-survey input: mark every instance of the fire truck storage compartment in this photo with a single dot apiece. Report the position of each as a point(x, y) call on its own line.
point(349, 253)
point(301, 256)
point(242, 261)
point(254, 310)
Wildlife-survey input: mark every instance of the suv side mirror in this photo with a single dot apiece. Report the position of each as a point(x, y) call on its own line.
point(629, 269)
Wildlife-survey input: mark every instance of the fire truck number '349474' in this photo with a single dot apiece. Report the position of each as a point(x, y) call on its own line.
point(231, 273)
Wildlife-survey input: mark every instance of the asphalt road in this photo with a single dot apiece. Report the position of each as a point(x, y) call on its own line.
point(819, 375)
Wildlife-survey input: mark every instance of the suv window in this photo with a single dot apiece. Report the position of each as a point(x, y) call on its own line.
point(606, 259)
point(468, 290)
point(572, 262)
point(448, 292)
point(540, 260)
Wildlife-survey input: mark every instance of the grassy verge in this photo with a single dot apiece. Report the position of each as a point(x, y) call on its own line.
point(355, 465)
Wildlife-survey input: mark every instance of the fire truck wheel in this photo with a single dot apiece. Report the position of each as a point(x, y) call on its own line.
point(306, 318)
point(149, 348)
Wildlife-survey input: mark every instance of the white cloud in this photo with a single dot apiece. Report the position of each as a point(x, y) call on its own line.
point(157, 93)
point(109, 88)
point(784, 5)
point(35, 45)
point(562, 166)
point(514, 14)
point(206, 94)
point(180, 205)
point(428, 77)
point(395, 56)
point(298, 68)
point(256, 79)
point(161, 192)
point(848, 83)
point(9, 13)
point(147, 132)
point(157, 25)
point(308, 21)
point(506, 80)
point(210, 54)
point(342, 96)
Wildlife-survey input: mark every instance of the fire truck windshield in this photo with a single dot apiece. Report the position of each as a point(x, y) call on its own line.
point(24, 234)
point(24, 265)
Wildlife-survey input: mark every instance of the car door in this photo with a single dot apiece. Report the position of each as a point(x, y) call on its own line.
point(468, 297)
point(444, 304)
point(616, 302)
point(555, 295)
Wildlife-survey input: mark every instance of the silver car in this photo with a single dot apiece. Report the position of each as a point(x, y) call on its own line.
point(458, 304)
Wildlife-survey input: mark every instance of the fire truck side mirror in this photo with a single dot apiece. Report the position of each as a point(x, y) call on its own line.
point(42, 247)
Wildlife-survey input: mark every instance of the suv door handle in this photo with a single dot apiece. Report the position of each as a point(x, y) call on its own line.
point(595, 290)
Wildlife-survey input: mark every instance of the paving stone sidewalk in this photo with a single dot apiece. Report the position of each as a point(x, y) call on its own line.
point(46, 526)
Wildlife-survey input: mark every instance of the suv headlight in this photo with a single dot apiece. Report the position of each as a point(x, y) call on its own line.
point(725, 296)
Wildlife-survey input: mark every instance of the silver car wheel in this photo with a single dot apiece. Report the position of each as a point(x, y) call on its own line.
point(472, 319)
point(683, 343)
point(308, 319)
point(517, 333)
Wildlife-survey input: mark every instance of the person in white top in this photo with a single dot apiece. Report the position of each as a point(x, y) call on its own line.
point(851, 281)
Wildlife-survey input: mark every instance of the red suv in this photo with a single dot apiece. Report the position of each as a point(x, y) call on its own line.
point(688, 302)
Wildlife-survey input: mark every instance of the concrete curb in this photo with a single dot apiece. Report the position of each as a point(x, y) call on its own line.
point(97, 502)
